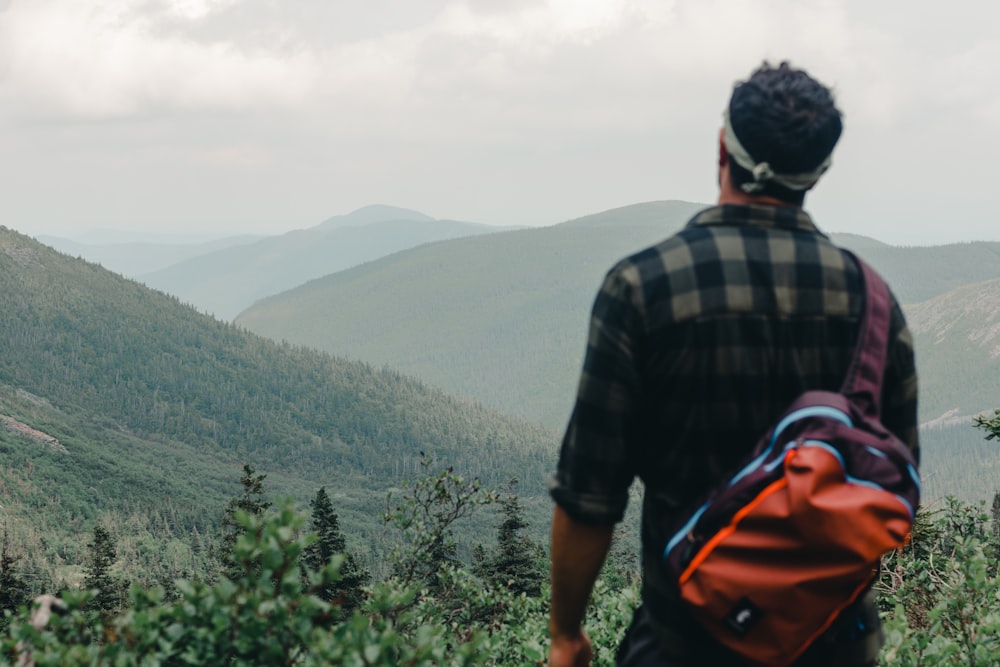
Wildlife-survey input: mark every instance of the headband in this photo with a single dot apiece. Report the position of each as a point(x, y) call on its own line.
point(761, 171)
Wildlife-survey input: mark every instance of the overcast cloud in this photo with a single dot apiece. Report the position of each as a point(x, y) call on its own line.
point(267, 115)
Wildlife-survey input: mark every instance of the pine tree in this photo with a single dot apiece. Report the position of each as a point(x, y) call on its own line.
point(347, 591)
point(995, 514)
point(97, 570)
point(252, 502)
point(517, 563)
point(14, 592)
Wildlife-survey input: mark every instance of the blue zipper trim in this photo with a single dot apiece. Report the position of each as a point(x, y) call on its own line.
point(683, 532)
point(801, 413)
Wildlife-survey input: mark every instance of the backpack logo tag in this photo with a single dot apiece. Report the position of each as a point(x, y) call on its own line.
point(743, 617)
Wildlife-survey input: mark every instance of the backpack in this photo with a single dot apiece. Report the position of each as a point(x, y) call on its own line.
point(780, 548)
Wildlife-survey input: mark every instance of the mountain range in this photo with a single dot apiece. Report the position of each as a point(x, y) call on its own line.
point(502, 319)
point(225, 281)
point(120, 397)
point(134, 257)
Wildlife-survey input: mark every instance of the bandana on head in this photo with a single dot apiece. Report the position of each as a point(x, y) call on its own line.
point(761, 171)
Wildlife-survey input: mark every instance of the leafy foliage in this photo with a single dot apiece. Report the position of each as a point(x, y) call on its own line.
point(942, 592)
point(990, 424)
point(425, 516)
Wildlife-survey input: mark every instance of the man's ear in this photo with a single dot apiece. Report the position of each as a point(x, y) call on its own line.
point(723, 153)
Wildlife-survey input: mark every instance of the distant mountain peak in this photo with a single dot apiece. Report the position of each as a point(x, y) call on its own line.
point(374, 213)
point(856, 241)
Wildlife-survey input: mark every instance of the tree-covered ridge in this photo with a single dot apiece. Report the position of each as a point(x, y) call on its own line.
point(155, 406)
point(77, 335)
point(500, 318)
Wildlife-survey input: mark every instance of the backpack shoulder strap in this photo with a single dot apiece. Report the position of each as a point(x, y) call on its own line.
point(863, 384)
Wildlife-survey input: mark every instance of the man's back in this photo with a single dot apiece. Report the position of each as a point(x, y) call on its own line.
point(697, 344)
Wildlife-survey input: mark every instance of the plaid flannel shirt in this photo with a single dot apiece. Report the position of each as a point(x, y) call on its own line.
point(696, 345)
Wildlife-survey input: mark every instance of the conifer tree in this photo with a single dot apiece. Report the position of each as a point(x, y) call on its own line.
point(97, 570)
point(252, 502)
point(992, 428)
point(517, 563)
point(347, 591)
point(14, 591)
point(995, 514)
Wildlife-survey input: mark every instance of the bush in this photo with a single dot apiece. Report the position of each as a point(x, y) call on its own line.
point(263, 616)
point(944, 592)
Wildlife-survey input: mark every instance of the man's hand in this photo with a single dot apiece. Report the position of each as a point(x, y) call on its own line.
point(578, 551)
point(572, 651)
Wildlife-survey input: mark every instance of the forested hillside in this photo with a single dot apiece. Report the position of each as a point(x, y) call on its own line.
point(226, 281)
point(500, 318)
point(118, 398)
point(503, 319)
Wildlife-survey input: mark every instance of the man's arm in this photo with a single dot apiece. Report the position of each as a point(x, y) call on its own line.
point(578, 552)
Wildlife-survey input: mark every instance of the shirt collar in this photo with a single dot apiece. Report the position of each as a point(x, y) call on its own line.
point(790, 218)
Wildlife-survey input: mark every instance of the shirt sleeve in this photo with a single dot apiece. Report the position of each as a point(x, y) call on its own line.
point(899, 390)
point(595, 471)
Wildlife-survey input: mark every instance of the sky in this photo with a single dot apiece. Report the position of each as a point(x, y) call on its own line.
point(261, 116)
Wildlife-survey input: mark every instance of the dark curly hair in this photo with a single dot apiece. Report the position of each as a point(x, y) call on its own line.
point(786, 118)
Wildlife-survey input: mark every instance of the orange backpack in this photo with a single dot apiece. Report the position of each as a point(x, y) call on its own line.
point(779, 549)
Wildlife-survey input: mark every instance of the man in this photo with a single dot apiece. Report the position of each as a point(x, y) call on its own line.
point(696, 345)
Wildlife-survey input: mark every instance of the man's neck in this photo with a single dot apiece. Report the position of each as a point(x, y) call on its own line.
point(740, 198)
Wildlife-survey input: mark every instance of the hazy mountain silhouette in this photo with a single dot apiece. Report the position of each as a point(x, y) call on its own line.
point(227, 281)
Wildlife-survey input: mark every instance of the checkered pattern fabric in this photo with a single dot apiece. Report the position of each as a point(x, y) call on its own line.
point(696, 345)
